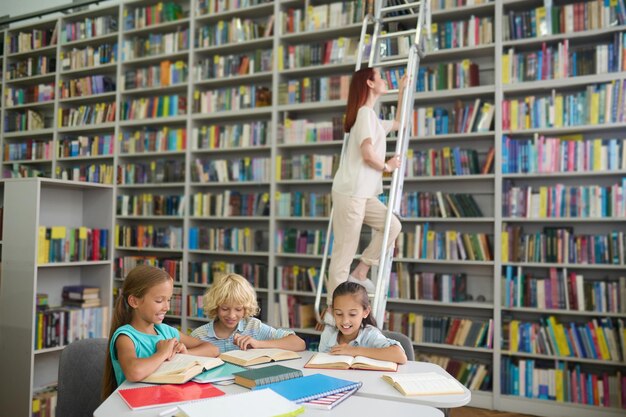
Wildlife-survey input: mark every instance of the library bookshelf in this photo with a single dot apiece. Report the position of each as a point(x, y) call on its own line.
point(220, 141)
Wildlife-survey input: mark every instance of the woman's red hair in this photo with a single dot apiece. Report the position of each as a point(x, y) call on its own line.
point(357, 95)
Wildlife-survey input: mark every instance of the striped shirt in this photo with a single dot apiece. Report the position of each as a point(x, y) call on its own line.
point(248, 327)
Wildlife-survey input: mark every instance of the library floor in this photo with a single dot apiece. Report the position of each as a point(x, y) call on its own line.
point(479, 412)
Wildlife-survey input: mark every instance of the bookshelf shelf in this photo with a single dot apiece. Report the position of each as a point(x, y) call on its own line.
point(151, 59)
point(303, 219)
point(37, 132)
point(463, 53)
point(449, 219)
point(244, 149)
point(349, 30)
point(563, 83)
point(557, 131)
point(454, 347)
point(157, 218)
point(231, 218)
point(227, 253)
point(561, 312)
point(562, 265)
point(312, 107)
point(87, 128)
point(564, 220)
point(249, 11)
point(313, 70)
point(153, 154)
point(46, 50)
point(473, 177)
point(444, 262)
point(463, 11)
point(452, 137)
point(158, 28)
point(90, 41)
point(322, 144)
point(87, 99)
point(177, 88)
point(73, 264)
point(31, 79)
point(39, 105)
point(235, 47)
point(472, 305)
point(27, 161)
point(239, 79)
point(555, 175)
point(100, 69)
point(48, 350)
point(159, 185)
point(602, 362)
point(233, 114)
point(303, 182)
point(149, 249)
point(585, 35)
point(230, 184)
point(153, 121)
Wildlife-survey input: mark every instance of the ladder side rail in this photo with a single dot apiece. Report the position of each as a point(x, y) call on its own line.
point(320, 282)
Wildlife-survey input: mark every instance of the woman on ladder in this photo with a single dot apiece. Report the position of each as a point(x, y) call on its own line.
point(358, 181)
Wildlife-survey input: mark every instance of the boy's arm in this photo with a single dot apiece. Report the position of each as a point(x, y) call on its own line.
point(289, 342)
point(198, 347)
point(134, 368)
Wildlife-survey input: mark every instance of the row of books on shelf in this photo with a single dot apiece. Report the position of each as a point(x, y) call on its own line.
point(148, 204)
point(242, 135)
point(563, 290)
point(230, 203)
point(86, 145)
point(558, 62)
point(218, 6)
point(45, 402)
point(443, 76)
point(469, 32)
point(232, 98)
point(562, 245)
point(29, 150)
point(303, 204)
point(229, 239)
point(205, 272)
point(148, 236)
point(144, 16)
point(153, 139)
point(153, 172)
point(306, 167)
point(474, 375)
point(60, 326)
point(72, 244)
point(297, 278)
point(223, 170)
point(88, 28)
point(549, 19)
point(96, 173)
point(450, 245)
point(447, 161)
point(594, 104)
point(461, 118)
point(88, 57)
point(563, 382)
point(295, 314)
point(439, 204)
point(234, 31)
point(314, 89)
point(324, 16)
point(428, 286)
point(300, 131)
point(308, 242)
point(32, 94)
point(332, 51)
point(155, 43)
point(23, 171)
point(28, 40)
point(558, 201)
point(219, 66)
point(87, 86)
point(124, 264)
point(176, 302)
point(602, 339)
point(154, 107)
point(88, 114)
point(570, 153)
point(26, 120)
point(164, 74)
point(456, 331)
point(30, 67)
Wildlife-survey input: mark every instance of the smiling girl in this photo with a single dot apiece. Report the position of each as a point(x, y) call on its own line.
point(230, 305)
point(355, 332)
point(139, 340)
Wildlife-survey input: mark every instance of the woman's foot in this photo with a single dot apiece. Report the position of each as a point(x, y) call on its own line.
point(366, 282)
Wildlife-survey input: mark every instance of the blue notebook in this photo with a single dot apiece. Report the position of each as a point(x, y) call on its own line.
point(221, 373)
point(311, 387)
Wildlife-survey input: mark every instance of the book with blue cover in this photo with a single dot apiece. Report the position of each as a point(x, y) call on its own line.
point(312, 387)
point(221, 373)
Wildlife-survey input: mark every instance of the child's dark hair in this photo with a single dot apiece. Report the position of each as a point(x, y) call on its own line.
point(360, 293)
point(138, 281)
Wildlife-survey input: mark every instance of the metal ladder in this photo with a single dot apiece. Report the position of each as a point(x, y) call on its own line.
point(416, 52)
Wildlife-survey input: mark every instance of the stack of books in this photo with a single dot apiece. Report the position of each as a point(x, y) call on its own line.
point(81, 296)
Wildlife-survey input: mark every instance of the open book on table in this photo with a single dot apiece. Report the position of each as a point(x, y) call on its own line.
point(328, 361)
point(426, 383)
point(181, 368)
point(256, 356)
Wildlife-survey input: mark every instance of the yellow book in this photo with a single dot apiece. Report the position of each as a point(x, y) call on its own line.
point(42, 253)
point(558, 382)
point(604, 347)
point(543, 202)
point(562, 340)
point(558, 110)
point(594, 115)
point(597, 155)
point(257, 356)
point(506, 77)
point(504, 244)
point(281, 58)
point(514, 114)
point(181, 368)
point(279, 162)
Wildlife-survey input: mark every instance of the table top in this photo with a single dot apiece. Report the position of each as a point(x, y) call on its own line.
point(366, 400)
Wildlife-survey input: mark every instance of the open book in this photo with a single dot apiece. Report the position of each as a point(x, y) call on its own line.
point(256, 356)
point(181, 369)
point(427, 383)
point(328, 361)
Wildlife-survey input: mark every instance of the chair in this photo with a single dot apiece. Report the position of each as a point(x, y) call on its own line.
point(404, 340)
point(81, 369)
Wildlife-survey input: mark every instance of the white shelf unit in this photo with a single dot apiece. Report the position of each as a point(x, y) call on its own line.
point(28, 204)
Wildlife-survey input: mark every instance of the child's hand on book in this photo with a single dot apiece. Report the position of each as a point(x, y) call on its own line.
point(244, 342)
point(167, 348)
point(343, 349)
point(180, 348)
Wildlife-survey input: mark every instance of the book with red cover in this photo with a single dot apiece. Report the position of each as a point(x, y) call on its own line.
point(159, 395)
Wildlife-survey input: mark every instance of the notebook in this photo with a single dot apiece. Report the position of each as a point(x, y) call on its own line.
point(330, 401)
point(259, 377)
point(158, 395)
point(311, 387)
point(426, 383)
point(219, 374)
point(263, 402)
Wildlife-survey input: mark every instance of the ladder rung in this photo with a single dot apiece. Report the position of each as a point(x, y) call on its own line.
point(397, 7)
point(397, 34)
point(391, 63)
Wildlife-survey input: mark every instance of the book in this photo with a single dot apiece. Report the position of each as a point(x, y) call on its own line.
point(181, 368)
point(330, 401)
point(257, 356)
point(427, 383)
point(255, 378)
point(160, 395)
point(265, 403)
point(312, 387)
point(328, 361)
point(221, 373)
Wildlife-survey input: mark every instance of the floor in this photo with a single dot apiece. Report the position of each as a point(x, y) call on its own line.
point(479, 412)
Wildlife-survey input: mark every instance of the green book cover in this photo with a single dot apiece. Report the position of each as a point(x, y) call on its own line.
point(221, 373)
point(253, 378)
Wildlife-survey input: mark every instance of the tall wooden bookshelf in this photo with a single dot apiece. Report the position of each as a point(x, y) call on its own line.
point(207, 146)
